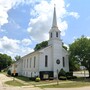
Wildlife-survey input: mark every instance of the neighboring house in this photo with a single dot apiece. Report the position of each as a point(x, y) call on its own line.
point(46, 62)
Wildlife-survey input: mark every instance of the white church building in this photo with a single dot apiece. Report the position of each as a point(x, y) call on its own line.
point(45, 62)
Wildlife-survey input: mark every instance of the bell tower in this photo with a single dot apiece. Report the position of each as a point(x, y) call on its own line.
point(56, 43)
point(54, 33)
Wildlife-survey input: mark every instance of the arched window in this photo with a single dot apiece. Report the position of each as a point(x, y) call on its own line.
point(27, 63)
point(51, 35)
point(63, 62)
point(30, 62)
point(34, 61)
point(56, 34)
point(46, 61)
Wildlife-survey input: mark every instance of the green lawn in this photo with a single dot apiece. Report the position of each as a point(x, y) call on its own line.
point(14, 83)
point(26, 79)
point(5, 73)
point(27, 82)
point(67, 85)
point(79, 82)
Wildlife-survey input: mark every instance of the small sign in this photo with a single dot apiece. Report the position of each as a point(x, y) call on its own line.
point(45, 76)
point(14, 72)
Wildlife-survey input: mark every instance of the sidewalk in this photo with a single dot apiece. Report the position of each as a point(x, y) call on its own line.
point(81, 88)
point(4, 78)
point(54, 83)
point(25, 83)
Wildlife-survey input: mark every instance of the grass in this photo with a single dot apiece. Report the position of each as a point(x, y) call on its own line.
point(26, 79)
point(14, 83)
point(5, 73)
point(79, 82)
point(68, 85)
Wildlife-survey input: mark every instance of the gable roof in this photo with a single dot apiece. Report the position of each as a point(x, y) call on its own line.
point(38, 51)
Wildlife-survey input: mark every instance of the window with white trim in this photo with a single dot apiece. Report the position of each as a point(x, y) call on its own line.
point(46, 61)
point(56, 34)
point(63, 61)
point(30, 62)
point(34, 61)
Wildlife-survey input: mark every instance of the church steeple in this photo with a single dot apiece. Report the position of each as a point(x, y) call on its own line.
point(54, 24)
point(54, 33)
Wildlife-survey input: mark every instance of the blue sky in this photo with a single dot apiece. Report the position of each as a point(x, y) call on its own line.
point(24, 23)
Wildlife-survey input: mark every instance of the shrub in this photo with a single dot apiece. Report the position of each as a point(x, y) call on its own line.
point(69, 77)
point(37, 79)
point(16, 74)
point(9, 72)
point(32, 78)
point(74, 77)
point(62, 73)
point(69, 73)
point(51, 78)
point(62, 78)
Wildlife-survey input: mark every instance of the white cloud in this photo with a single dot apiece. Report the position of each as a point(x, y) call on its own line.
point(74, 14)
point(26, 42)
point(6, 5)
point(62, 27)
point(15, 47)
point(2, 30)
point(68, 5)
point(66, 46)
point(88, 37)
point(40, 24)
point(9, 44)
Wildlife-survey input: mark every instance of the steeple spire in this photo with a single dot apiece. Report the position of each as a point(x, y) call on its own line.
point(54, 24)
point(54, 33)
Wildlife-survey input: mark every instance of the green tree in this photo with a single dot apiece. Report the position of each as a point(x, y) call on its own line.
point(65, 47)
point(74, 64)
point(41, 45)
point(5, 61)
point(80, 52)
point(45, 44)
point(17, 57)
